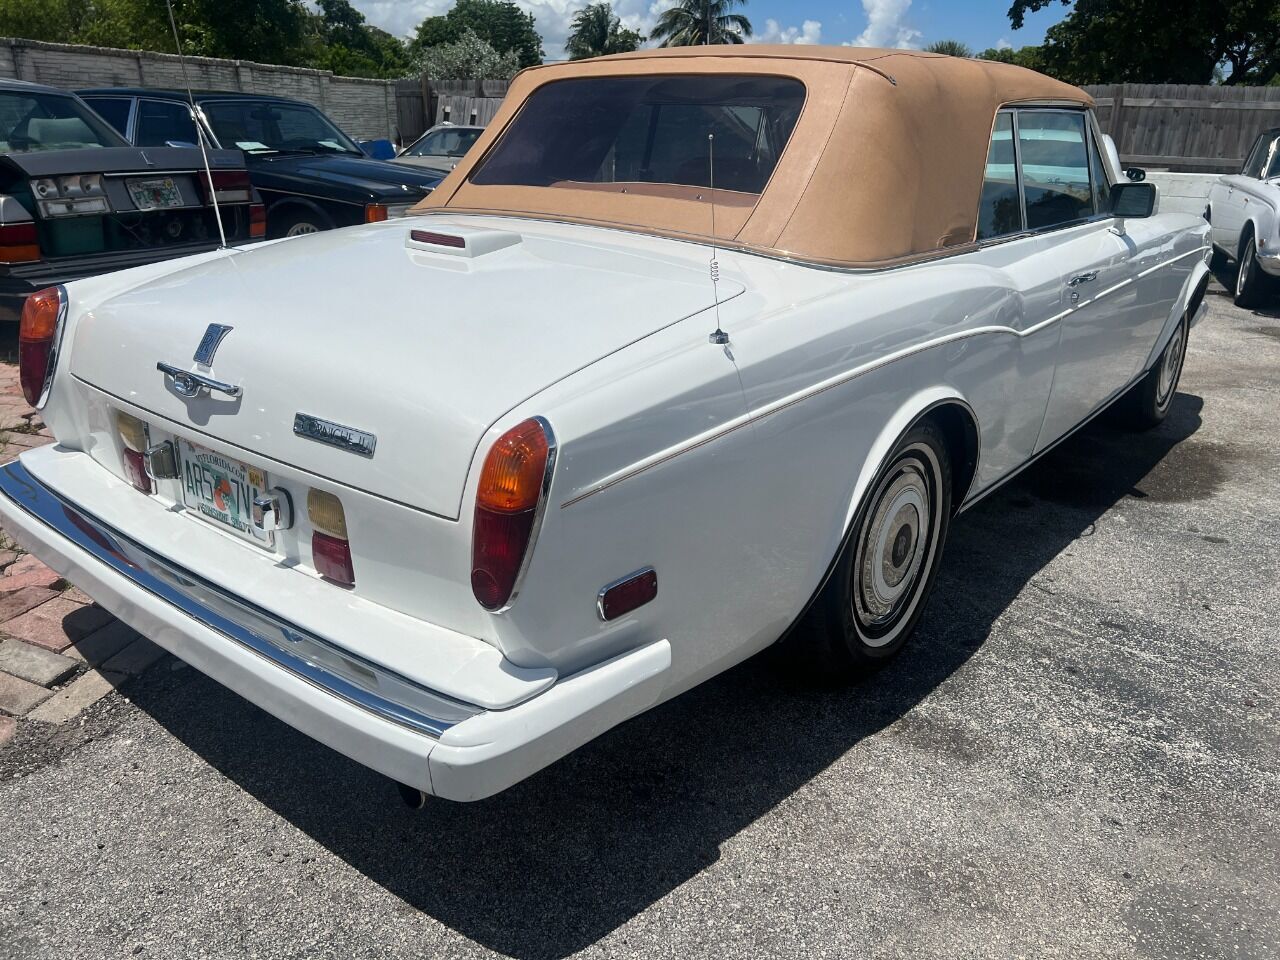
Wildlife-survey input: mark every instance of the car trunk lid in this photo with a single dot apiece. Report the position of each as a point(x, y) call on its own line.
point(421, 345)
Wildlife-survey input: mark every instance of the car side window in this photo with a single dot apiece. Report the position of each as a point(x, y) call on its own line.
point(1000, 212)
point(1053, 159)
point(1271, 162)
point(114, 110)
point(161, 122)
point(1257, 157)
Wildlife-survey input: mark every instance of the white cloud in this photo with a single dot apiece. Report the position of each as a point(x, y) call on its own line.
point(886, 26)
point(552, 18)
point(1004, 44)
point(809, 32)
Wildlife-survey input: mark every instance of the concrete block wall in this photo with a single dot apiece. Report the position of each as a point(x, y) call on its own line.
point(1182, 192)
point(365, 109)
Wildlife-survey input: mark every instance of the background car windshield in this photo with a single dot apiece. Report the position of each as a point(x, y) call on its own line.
point(444, 143)
point(257, 127)
point(40, 121)
point(648, 130)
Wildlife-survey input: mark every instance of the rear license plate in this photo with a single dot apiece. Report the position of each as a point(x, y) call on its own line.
point(158, 194)
point(221, 490)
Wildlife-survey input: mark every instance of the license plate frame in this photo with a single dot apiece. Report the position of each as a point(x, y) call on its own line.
point(220, 490)
point(154, 193)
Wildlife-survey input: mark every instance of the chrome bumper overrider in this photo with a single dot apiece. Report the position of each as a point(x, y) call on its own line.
point(322, 664)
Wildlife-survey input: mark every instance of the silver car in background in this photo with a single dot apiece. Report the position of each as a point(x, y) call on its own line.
point(441, 147)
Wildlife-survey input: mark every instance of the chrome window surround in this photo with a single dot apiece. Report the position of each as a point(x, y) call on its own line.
point(311, 658)
point(59, 326)
point(539, 512)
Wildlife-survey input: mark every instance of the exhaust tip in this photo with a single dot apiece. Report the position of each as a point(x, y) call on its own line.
point(413, 798)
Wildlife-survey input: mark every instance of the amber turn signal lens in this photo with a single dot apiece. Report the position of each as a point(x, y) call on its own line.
point(133, 432)
point(36, 332)
point(511, 480)
point(375, 212)
point(326, 513)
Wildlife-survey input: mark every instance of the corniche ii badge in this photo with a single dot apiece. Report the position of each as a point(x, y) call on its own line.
point(334, 434)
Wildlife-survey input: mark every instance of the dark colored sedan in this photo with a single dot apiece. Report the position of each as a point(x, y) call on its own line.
point(77, 200)
point(311, 175)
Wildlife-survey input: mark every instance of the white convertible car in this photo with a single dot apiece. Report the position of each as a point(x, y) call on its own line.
point(1244, 218)
point(696, 350)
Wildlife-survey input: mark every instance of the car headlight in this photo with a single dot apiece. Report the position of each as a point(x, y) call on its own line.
point(70, 196)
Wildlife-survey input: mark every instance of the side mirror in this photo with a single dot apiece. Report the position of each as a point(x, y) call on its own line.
point(1136, 174)
point(1133, 201)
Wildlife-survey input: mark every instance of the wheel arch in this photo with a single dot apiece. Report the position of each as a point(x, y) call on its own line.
point(289, 205)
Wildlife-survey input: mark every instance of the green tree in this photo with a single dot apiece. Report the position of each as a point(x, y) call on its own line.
point(1029, 56)
point(597, 32)
point(693, 23)
point(340, 40)
point(952, 48)
point(468, 58)
point(1161, 41)
point(500, 23)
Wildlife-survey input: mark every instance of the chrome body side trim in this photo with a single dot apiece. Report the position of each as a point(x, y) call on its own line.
point(783, 403)
point(311, 658)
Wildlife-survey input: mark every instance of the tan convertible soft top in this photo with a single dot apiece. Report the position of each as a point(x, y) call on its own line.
point(885, 164)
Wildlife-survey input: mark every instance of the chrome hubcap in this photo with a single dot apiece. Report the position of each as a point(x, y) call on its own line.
point(302, 229)
point(1170, 364)
point(893, 546)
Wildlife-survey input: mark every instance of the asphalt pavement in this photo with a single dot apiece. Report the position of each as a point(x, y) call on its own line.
point(1077, 756)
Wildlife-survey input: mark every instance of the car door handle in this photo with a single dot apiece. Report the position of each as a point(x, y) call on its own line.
point(1083, 278)
point(190, 384)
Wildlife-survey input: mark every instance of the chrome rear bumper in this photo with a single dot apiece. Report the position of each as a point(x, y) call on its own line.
point(371, 687)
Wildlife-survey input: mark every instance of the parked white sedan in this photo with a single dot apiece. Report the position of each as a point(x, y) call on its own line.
point(1244, 219)
point(697, 349)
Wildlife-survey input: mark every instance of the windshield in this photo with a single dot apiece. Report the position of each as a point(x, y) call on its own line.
point(449, 142)
point(48, 121)
point(275, 127)
point(648, 130)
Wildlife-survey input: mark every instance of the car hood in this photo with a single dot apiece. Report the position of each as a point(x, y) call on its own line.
point(441, 164)
point(422, 346)
point(377, 177)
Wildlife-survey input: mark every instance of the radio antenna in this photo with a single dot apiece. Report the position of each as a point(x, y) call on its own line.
point(719, 337)
point(195, 119)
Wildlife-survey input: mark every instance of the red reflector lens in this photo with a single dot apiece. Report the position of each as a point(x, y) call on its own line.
point(624, 596)
point(229, 186)
point(511, 488)
point(257, 221)
point(36, 333)
point(136, 470)
point(19, 243)
point(438, 239)
point(331, 557)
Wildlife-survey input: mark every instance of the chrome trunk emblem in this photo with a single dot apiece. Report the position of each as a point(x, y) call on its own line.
point(209, 343)
point(334, 434)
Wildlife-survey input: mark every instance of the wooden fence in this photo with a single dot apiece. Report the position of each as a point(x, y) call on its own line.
point(1184, 128)
point(422, 103)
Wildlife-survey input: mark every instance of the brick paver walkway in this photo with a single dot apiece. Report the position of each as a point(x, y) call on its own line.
point(59, 651)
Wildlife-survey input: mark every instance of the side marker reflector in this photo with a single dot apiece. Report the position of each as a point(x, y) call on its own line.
point(623, 596)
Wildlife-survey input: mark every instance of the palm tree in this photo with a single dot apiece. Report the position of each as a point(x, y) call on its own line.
point(952, 48)
point(693, 23)
point(597, 32)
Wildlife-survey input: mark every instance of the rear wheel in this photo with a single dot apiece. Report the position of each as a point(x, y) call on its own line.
point(1149, 400)
point(298, 223)
point(877, 592)
point(1252, 284)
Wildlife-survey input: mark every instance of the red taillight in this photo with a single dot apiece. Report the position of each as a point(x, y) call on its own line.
point(135, 469)
point(19, 243)
point(331, 557)
point(512, 486)
point(229, 186)
point(37, 336)
point(375, 212)
point(625, 595)
point(257, 221)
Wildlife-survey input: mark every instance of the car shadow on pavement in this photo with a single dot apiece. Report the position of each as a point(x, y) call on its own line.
point(557, 862)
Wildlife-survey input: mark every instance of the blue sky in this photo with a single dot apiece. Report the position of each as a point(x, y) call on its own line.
point(908, 23)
